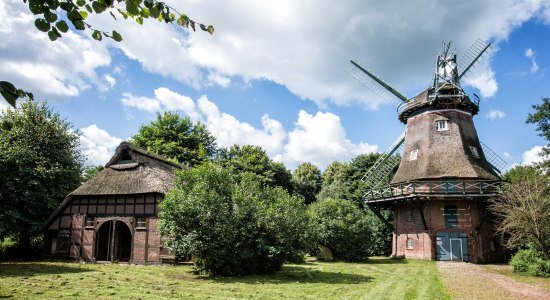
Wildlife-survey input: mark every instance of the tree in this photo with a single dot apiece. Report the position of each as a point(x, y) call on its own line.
point(307, 181)
point(342, 227)
point(232, 228)
point(335, 182)
point(91, 172)
point(541, 117)
point(523, 209)
point(253, 159)
point(175, 137)
point(76, 13)
point(40, 163)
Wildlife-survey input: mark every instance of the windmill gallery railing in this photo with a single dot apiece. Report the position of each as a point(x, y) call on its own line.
point(432, 188)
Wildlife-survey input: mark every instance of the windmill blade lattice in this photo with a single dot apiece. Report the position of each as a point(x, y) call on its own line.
point(375, 84)
point(472, 56)
point(383, 167)
point(497, 162)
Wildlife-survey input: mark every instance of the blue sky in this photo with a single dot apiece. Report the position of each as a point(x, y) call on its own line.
point(273, 74)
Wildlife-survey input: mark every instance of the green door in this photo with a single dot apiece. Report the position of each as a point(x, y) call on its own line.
point(451, 246)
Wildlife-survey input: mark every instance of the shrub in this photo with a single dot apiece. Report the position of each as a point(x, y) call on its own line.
point(233, 228)
point(531, 262)
point(342, 227)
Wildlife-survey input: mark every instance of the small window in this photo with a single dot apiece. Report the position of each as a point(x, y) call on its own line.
point(414, 154)
point(141, 223)
point(473, 149)
point(63, 242)
point(89, 221)
point(410, 244)
point(410, 216)
point(441, 125)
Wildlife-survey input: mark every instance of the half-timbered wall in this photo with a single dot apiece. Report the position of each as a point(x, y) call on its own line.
point(73, 234)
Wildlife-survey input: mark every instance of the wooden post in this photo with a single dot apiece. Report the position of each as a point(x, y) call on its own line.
point(379, 215)
point(112, 241)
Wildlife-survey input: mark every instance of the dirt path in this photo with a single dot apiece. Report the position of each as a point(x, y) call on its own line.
point(470, 281)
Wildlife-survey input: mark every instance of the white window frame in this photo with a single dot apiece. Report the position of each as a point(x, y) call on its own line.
point(413, 155)
point(88, 222)
point(410, 244)
point(474, 151)
point(442, 125)
point(141, 223)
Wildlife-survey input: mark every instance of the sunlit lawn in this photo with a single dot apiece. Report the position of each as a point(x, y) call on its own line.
point(379, 278)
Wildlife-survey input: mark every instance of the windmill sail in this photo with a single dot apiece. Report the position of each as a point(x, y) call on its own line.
point(496, 162)
point(377, 85)
point(383, 167)
point(472, 55)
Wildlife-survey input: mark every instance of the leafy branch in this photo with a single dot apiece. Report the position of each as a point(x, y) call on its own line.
point(77, 12)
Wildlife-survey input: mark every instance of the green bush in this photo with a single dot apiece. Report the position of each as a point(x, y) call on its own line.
point(342, 227)
point(233, 228)
point(531, 262)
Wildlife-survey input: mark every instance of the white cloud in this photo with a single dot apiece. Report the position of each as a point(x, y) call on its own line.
point(306, 45)
point(494, 114)
point(532, 156)
point(303, 45)
point(98, 145)
point(55, 70)
point(164, 99)
point(110, 80)
point(531, 56)
point(319, 138)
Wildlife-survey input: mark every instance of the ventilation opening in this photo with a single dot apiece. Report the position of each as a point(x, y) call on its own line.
point(125, 158)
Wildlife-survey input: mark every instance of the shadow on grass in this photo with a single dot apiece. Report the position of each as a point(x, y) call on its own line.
point(296, 274)
point(19, 269)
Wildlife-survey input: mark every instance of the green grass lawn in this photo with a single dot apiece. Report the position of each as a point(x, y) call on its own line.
point(377, 279)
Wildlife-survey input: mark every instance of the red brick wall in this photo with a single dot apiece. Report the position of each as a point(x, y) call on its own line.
point(469, 213)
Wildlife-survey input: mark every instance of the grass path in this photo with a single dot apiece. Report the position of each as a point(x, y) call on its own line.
point(377, 279)
point(470, 281)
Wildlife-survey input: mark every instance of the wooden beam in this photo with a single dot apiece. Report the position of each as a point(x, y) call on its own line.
point(376, 211)
point(420, 207)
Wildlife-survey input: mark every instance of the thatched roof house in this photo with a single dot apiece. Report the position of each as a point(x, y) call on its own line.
point(113, 215)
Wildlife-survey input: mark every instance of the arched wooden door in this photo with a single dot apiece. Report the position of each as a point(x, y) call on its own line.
point(113, 242)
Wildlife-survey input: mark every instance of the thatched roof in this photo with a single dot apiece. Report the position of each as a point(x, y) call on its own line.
point(131, 171)
point(443, 154)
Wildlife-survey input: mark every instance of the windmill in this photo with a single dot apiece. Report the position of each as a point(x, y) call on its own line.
point(445, 173)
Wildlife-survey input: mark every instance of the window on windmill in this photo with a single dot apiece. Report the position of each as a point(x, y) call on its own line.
point(473, 149)
point(410, 216)
point(414, 154)
point(410, 244)
point(441, 125)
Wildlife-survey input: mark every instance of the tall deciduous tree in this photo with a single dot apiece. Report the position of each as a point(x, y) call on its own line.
point(307, 181)
point(40, 163)
point(523, 209)
point(253, 159)
point(541, 117)
point(175, 137)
